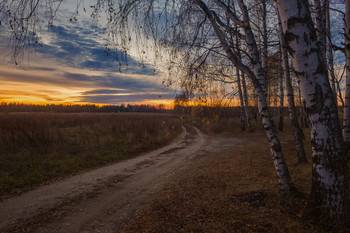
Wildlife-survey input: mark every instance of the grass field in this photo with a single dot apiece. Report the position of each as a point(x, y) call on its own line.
point(38, 147)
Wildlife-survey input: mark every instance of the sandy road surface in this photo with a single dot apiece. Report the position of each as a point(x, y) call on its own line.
point(104, 199)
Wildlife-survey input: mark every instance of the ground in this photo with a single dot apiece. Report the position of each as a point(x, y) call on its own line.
point(105, 199)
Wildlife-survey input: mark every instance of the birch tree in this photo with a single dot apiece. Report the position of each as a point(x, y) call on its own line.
point(346, 119)
point(264, 54)
point(280, 76)
point(241, 101)
point(244, 116)
point(297, 131)
point(243, 81)
point(257, 77)
point(246, 105)
point(329, 192)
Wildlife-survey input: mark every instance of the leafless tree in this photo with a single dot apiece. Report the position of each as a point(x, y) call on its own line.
point(329, 192)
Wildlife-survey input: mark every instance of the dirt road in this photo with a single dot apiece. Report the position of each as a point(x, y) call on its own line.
point(104, 199)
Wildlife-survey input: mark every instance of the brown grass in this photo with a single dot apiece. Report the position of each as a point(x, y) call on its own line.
point(233, 192)
point(39, 147)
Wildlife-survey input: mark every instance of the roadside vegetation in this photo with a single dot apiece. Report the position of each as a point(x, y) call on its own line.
point(36, 148)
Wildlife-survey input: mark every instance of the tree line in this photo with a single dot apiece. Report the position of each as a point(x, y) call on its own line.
point(74, 108)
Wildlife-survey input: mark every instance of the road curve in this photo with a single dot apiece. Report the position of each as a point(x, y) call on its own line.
point(104, 205)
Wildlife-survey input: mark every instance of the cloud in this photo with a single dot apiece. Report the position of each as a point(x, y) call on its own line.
point(105, 91)
point(79, 47)
point(27, 93)
point(119, 99)
point(79, 77)
point(128, 83)
point(120, 83)
point(30, 77)
point(36, 68)
point(48, 92)
point(45, 78)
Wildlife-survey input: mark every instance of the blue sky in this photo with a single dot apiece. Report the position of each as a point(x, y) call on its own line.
point(73, 66)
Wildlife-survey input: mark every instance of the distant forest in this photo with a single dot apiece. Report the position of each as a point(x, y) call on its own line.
point(197, 111)
point(68, 108)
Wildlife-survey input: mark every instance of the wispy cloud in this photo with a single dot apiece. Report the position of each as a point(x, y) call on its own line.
point(105, 92)
point(30, 77)
point(113, 80)
point(27, 93)
point(37, 68)
point(119, 99)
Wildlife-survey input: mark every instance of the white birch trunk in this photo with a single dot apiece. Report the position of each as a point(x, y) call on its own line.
point(244, 86)
point(329, 191)
point(268, 123)
point(253, 48)
point(297, 131)
point(265, 38)
point(280, 73)
point(246, 105)
point(346, 119)
point(242, 115)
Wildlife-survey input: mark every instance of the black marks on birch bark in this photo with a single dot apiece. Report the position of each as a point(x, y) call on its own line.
point(316, 101)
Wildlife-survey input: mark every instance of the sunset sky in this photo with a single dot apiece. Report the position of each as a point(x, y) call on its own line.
point(73, 67)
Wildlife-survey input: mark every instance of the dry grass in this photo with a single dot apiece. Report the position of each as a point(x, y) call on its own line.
point(233, 192)
point(39, 147)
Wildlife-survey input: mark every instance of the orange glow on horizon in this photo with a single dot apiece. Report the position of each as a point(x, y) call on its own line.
point(164, 104)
